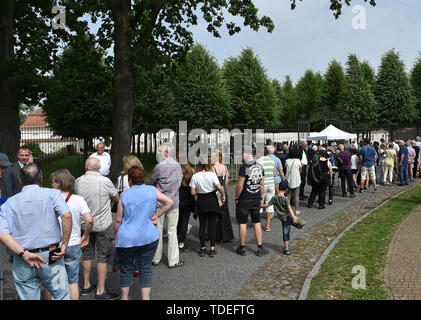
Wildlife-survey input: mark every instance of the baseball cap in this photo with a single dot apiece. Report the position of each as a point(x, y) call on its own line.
point(333, 144)
point(283, 185)
point(4, 160)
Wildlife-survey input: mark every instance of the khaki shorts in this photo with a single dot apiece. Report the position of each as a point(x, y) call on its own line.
point(102, 243)
point(371, 172)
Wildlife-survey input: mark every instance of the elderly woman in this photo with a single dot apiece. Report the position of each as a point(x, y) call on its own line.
point(135, 231)
point(122, 185)
point(65, 182)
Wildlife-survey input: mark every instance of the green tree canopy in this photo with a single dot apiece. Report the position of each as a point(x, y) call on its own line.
point(333, 87)
point(309, 94)
point(416, 84)
point(393, 90)
point(250, 91)
point(358, 103)
point(199, 90)
point(79, 96)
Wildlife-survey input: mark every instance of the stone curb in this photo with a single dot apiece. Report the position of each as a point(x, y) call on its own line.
point(307, 283)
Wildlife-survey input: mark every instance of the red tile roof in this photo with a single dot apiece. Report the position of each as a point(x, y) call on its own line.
point(35, 119)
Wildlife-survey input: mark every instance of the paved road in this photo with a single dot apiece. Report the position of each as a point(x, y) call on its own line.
point(220, 278)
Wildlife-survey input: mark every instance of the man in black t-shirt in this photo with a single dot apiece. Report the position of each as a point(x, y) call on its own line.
point(248, 198)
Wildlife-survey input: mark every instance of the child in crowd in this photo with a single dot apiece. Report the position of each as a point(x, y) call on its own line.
point(283, 209)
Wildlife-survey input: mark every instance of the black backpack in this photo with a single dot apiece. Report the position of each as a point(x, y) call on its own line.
point(314, 173)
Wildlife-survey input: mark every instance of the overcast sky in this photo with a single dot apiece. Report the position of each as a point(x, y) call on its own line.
point(309, 37)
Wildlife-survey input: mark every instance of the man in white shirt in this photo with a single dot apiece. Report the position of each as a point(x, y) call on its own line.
point(104, 158)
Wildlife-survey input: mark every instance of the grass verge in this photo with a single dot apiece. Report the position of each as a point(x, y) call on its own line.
point(75, 165)
point(366, 244)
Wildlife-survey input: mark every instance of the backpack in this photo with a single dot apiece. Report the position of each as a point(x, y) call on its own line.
point(314, 173)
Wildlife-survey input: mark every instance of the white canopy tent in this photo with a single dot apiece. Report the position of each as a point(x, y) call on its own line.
point(332, 133)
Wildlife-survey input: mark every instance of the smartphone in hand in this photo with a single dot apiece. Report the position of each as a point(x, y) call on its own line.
point(51, 255)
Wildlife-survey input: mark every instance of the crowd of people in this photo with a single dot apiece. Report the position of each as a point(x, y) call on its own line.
point(51, 232)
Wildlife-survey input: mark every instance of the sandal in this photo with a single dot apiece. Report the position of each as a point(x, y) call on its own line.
point(178, 264)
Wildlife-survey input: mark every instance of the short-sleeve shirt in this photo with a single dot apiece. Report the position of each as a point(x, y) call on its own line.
point(278, 166)
point(31, 217)
point(204, 182)
point(78, 207)
point(403, 151)
point(354, 162)
point(368, 153)
point(411, 154)
point(268, 165)
point(280, 205)
point(293, 173)
point(97, 191)
point(166, 177)
point(253, 174)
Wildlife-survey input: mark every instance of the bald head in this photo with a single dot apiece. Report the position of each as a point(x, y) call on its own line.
point(92, 164)
point(30, 174)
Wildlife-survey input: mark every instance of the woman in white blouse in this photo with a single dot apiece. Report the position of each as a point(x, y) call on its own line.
point(293, 176)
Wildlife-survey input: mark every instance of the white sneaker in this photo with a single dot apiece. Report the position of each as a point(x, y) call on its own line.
point(297, 212)
point(189, 227)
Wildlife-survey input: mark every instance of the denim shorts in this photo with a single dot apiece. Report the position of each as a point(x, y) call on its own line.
point(28, 280)
point(72, 261)
point(127, 256)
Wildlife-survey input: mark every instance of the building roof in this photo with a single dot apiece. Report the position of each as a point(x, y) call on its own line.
point(35, 119)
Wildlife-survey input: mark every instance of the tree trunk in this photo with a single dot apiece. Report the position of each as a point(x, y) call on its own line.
point(9, 106)
point(123, 84)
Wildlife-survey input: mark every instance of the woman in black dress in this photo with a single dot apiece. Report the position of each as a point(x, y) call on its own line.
point(224, 232)
point(204, 184)
point(186, 206)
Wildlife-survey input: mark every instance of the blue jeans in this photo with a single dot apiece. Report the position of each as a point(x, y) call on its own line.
point(28, 280)
point(116, 261)
point(403, 173)
point(145, 254)
point(286, 227)
point(72, 262)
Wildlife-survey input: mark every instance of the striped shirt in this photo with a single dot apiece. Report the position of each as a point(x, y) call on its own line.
point(97, 191)
point(166, 177)
point(268, 165)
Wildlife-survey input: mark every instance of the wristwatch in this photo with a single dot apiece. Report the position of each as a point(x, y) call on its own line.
point(22, 253)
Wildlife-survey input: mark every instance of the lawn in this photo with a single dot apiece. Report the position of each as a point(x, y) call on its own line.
point(366, 244)
point(75, 165)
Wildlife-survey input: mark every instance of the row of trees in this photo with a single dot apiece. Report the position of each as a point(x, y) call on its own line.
point(206, 95)
point(151, 31)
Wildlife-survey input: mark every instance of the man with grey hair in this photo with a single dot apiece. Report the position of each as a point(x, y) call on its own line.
point(97, 191)
point(166, 177)
point(104, 158)
point(29, 227)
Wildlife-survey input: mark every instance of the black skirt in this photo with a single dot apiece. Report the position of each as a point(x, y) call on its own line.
point(208, 202)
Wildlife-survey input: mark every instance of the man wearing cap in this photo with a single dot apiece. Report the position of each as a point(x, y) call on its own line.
point(4, 163)
point(29, 227)
point(11, 177)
